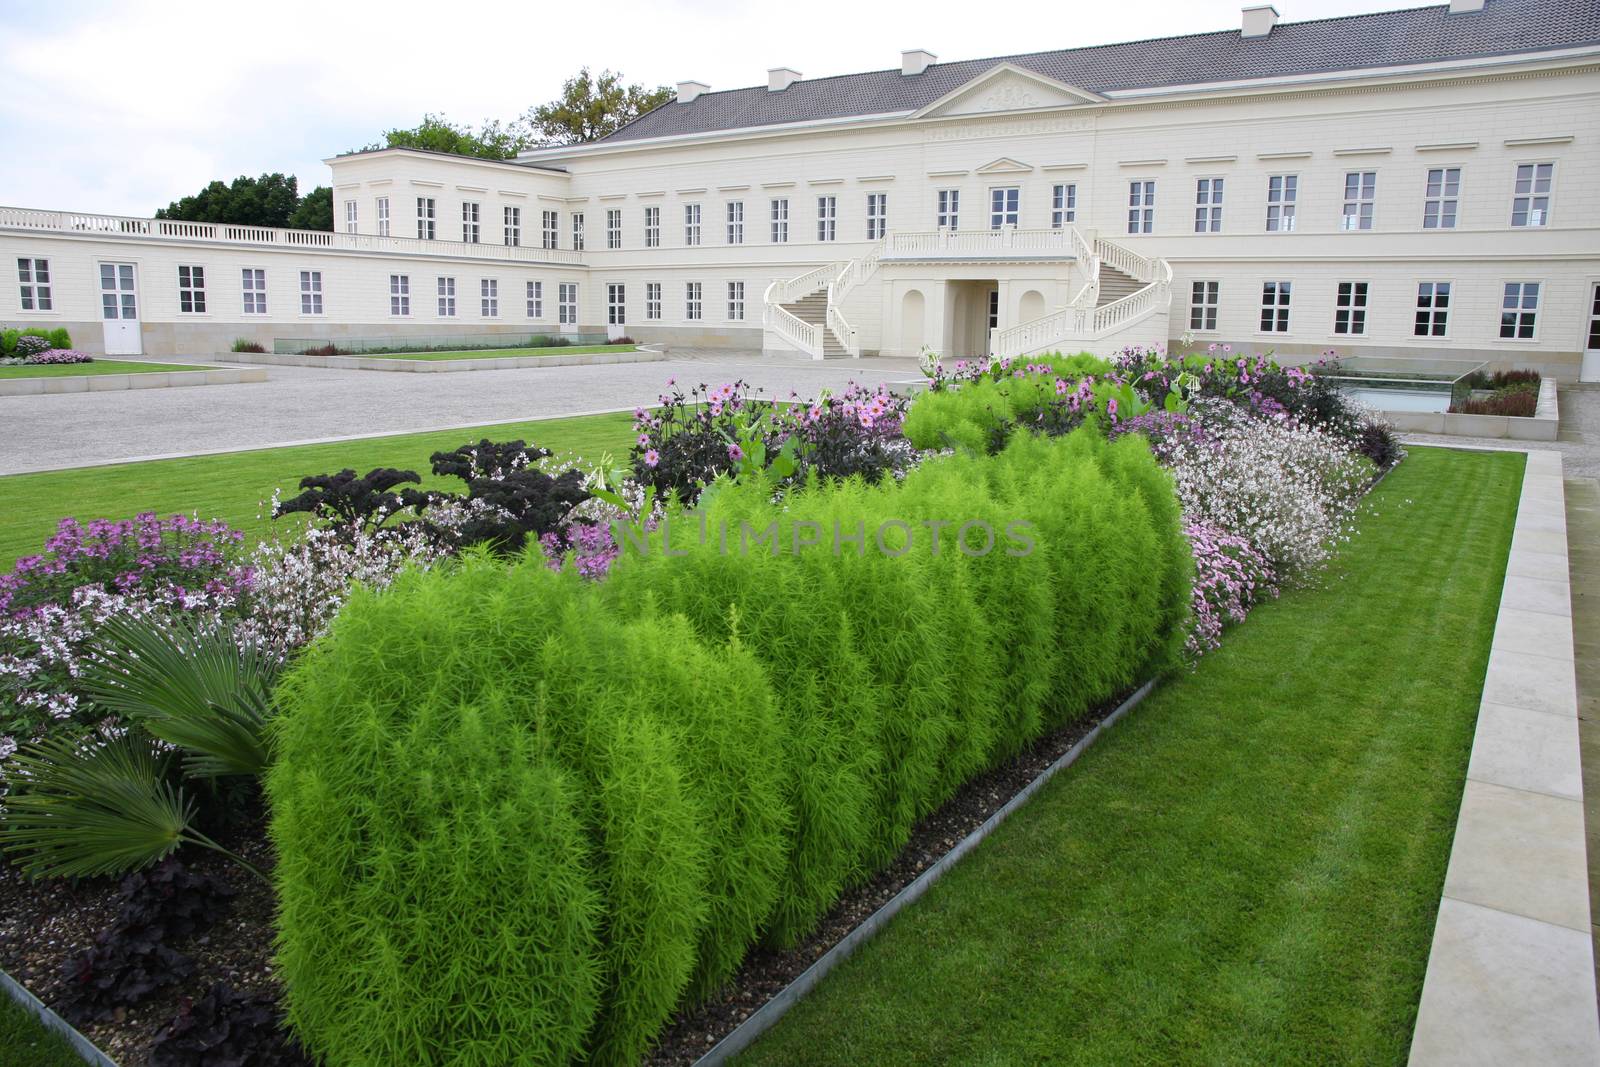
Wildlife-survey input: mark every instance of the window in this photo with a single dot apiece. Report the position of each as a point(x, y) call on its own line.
point(877, 215)
point(614, 227)
point(736, 222)
point(1350, 309)
point(827, 218)
point(383, 216)
point(1282, 190)
point(447, 298)
point(255, 291)
point(1208, 205)
point(616, 304)
point(949, 208)
point(513, 226)
point(1063, 205)
point(535, 296)
point(994, 309)
point(577, 231)
point(691, 300)
point(691, 224)
point(1141, 207)
point(652, 227)
point(1433, 309)
point(1439, 204)
point(549, 227)
point(34, 274)
point(1275, 307)
point(425, 218)
point(1004, 206)
point(469, 222)
point(1203, 302)
point(311, 292)
point(399, 294)
point(652, 300)
point(349, 216)
point(736, 301)
point(1531, 205)
point(1360, 195)
point(1519, 311)
point(780, 221)
point(191, 290)
point(567, 304)
point(489, 297)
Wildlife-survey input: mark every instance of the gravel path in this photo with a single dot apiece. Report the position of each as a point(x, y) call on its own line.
point(1579, 440)
point(297, 405)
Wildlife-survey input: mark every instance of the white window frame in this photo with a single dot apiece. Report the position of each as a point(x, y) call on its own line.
point(735, 214)
point(253, 289)
point(471, 222)
point(652, 226)
point(1141, 206)
point(1441, 198)
point(1205, 304)
point(534, 296)
point(1063, 204)
point(1360, 201)
point(1276, 307)
point(877, 215)
point(1519, 311)
point(191, 289)
point(350, 216)
point(1533, 195)
point(399, 295)
point(1208, 194)
point(383, 216)
point(445, 289)
point(1005, 206)
point(652, 301)
point(567, 303)
point(947, 209)
point(1352, 306)
point(36, 293)
point(736, 301)
point(577, 231)
point(780, 220)
point(549, 229)
point(613, 227)
point(489, 298)
point(616, 304)
point(311, 292)
point(427, 218)
point(691, 225)
point(1283, 198)
point(827, 218)
point(1432, 318)
point(693, 306)
point(511, 225)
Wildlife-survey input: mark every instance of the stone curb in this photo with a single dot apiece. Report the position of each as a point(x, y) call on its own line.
point(51, 1021)
point(1510, 977)
point(1544, 425)
point(445, 366)
point(769, 1013)
point(110, 383)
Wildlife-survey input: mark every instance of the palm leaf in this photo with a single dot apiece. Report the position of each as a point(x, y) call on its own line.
point(197, 690)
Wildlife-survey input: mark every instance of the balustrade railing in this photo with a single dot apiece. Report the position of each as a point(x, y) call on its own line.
point(801, 335)
point(1006, 242)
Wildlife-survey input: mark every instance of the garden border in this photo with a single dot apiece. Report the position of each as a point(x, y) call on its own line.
point(108, 383)
point(641, 354)
point(766, 1016)
point(85, 1048)
point(1543, 425)
point(1510, 976)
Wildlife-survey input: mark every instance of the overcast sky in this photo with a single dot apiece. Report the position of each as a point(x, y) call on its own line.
point(122, 107)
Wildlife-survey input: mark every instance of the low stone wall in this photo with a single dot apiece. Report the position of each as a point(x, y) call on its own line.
point(103, 383)
point(440, 366)
point(1541, 427)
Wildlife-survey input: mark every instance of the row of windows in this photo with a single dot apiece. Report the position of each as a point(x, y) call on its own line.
point(1519, 308)
point(567, 300)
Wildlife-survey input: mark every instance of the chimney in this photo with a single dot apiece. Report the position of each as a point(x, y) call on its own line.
point(780, 78)
point(1258, 21)
point(689, 91)
point(916, 60)
point(1465, 7)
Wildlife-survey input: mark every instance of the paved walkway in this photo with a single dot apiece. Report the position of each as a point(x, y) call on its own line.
point(1579, 440)
point(296, 404)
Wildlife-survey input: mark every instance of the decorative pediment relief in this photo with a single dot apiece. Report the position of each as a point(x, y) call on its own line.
point(1005, 165)
point(1006, 87)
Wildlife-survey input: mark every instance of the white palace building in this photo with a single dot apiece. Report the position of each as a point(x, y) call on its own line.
point(1417, 182)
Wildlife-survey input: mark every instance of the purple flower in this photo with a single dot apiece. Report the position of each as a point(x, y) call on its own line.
point(735, 453)
point(651, 458)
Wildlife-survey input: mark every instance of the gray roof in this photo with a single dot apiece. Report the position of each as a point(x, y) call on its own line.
point(1351, 42)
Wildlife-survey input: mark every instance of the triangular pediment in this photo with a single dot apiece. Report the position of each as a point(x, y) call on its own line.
point(1007, 87)
point(1005, 165)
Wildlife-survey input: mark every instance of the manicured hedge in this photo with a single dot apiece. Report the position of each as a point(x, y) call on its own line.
point(523, 818)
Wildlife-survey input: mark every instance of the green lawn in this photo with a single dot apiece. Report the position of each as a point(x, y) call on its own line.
point(1247, 870)
point(235, 485)
point(25, 1043)
point(502, 353)
point(107, 366)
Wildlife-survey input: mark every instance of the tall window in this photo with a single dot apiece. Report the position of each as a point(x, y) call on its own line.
point(780, 221)
point(447, 298)
point(736, 301)
point(1433, 309)
point(426, 218)
point(735, 222)
point(34, 274)
point(567, 304)
point(399, 294)
point(1360, 197)
point(577, 231)
point(949, 213)
point(691, 224)
point(1208, 205)
point(1204, 298)
point(877, 215)
point(616, 304)
point(652, 300)
point(1282, 191)
point(1519, 311)
point(1275, 307)
point(470, 212)
point(383, 216)
point(691, 300)
point(191, 290)
point(1005, 206)
point(652, 227)
point(994, 309)
point(614, 227)
point(349, 216)
point(489, 298)
point(535, 297)
point(1350, 309)
point(1442, 194)
point(1141, 207)
point(1531, 204)
point(513, 225)
point(1063, 204)
point(549, 227)
point(255, 291)
point(827, 218)
point(311, 292)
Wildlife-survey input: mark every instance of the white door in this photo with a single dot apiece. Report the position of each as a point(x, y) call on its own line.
point(119, 307)
point(1590, 372)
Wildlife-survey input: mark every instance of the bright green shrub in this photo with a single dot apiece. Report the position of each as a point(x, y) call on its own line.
point(967, 415)
point(60, 338)
point(8, 343)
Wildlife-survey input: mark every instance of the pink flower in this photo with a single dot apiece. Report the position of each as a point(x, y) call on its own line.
point(644, 440)
point(651, 458)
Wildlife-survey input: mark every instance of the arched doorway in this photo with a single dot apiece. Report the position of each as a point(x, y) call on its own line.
point(913, 327)
point(1032, 306)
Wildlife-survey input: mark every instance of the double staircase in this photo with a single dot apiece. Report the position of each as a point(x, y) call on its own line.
point(813, 310)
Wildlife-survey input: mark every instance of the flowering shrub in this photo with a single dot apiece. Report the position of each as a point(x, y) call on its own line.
point(856, 432)
point(692, 437)
point(1230, 577)
point(60, 356)
point(30, 345)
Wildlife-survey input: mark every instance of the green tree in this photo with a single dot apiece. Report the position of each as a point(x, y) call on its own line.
point(265, 201)
point(315, 211)
point(437, 134)
point(590, 108)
